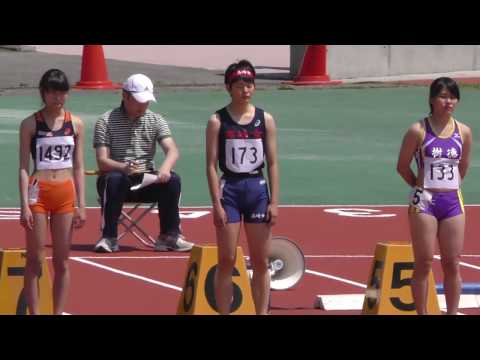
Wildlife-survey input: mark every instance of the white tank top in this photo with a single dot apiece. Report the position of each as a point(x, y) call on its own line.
point(439, 158)
point(53, 150)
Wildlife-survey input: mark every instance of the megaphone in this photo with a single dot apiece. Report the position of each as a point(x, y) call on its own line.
point(287, 264)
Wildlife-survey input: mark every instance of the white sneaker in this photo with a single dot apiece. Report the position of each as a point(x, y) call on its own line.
point(167, 242)
point(106, 245)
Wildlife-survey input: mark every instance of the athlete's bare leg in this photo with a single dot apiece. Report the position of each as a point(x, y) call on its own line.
point(227, 240)
point(36, 239)
point(259, 243)
point(451, 235)
point(423, 229)
point(61, 239)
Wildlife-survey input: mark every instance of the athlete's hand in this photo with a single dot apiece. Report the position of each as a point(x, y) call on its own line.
point(79, 217)
point(26, 218)
point(272, 214)
point(219, 216)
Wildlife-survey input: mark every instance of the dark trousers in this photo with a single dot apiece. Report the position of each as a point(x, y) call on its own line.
point(114, 190)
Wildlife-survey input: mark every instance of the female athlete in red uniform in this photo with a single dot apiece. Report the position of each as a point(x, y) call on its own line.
point(54, 138)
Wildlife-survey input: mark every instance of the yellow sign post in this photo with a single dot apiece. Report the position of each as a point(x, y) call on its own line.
point(12, 297)
point(198, 294)
point(389, 291)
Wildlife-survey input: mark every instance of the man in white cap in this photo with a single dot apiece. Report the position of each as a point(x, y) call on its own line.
point(125, 143)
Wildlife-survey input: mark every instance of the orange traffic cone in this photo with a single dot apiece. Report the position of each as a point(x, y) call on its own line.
point(94, 70)
point(314, 68)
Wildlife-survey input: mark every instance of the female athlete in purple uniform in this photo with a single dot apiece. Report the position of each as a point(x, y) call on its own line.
point(238, 138)
point(441, 146)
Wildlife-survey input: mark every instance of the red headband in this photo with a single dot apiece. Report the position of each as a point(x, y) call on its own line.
point(243, 73)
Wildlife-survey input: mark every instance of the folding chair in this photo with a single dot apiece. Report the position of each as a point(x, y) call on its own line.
point(130, 217)
point(132, 214)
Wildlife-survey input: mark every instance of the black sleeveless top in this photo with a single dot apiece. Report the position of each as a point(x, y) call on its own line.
point(241, 148)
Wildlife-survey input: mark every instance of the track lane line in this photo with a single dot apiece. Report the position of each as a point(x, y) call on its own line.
point(125, 273)
point(337, 278)
point(348, 282)
point(462, 263)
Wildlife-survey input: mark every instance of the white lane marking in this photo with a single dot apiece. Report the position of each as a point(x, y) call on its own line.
point(345, 302)
point(337, 256)
point(354, 283)
point(121, 272)
point(128, 257)
point(358, 212)
point(462, 263)
point(184, 214)
point(167, 257)
point(186, 208)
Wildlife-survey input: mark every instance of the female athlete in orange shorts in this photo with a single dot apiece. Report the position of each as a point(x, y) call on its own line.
point(54, 137)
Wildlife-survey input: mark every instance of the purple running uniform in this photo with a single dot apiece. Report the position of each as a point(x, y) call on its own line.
point(439, 157)
point(441, 205)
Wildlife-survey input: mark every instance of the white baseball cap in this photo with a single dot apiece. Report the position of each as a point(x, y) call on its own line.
point(141, 87)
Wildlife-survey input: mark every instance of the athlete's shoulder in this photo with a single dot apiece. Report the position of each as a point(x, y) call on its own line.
point(416, 133)
point(465, 130)
point(214, 119)
point(267, 116)
point(31, 118)
point(77, 123)
point(462, 126)
point(76, 120)
point(269, 120)
point(417, 127)
point(221, 113)
point(29, 122)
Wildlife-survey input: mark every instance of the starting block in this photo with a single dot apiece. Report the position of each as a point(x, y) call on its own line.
point(12, 297)
point(355, 302)
point(388, 289)
point(198, 294)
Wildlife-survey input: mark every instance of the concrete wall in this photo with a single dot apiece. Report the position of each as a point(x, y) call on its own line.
point(353, 61)
point(19, 47)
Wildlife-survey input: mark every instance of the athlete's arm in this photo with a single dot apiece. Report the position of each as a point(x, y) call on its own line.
point(272, 164)
point(466, 150)
point(410, 144)
point(27, 129)
point(212, 132)
point(79, 171)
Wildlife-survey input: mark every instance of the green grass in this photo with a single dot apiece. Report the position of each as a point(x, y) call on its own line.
point(336, 145)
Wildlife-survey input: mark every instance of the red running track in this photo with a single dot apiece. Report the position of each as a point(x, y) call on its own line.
point(338, 249)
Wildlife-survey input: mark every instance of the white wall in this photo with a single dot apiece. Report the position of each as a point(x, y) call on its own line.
point(213, 57)
point(352, 61)
point(347, 61)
